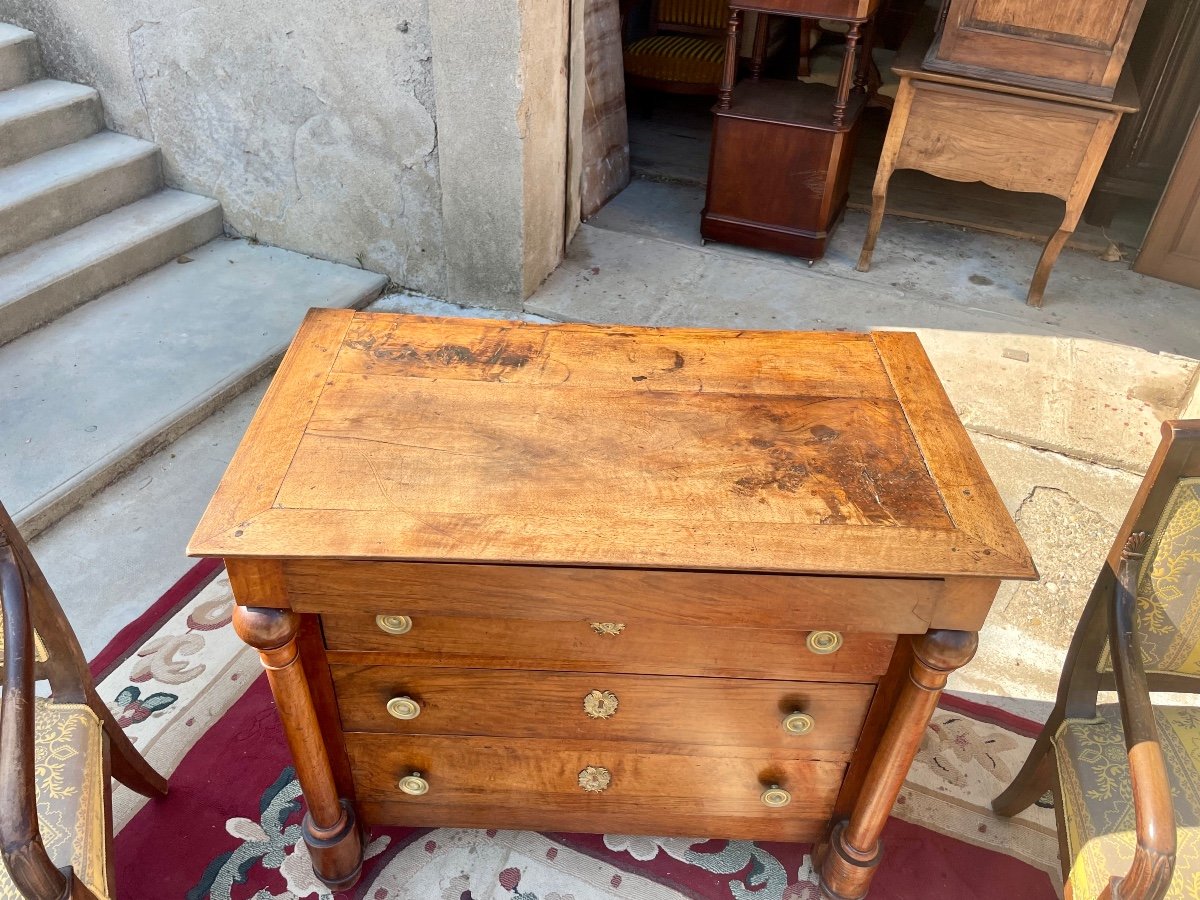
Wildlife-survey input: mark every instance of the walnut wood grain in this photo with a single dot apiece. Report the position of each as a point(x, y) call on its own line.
point(714, 711)
point(647, 648)
point(903, 606)
point(475, 467)
point(653, 788)
point(513, 811)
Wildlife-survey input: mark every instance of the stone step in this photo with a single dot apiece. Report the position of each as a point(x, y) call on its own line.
point(59, 189)
point(19, 58)
point(94, 392)
point(46, 114)
point(52, 277)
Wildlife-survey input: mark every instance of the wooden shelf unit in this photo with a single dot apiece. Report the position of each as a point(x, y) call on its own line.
point(779, 171)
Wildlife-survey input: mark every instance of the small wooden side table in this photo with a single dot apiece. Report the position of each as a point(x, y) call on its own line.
point(1013, 138)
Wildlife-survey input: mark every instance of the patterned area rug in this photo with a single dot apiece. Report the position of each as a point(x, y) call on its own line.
point(193, 700)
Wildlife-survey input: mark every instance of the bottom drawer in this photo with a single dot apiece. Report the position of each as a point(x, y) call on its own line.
point(551, 785)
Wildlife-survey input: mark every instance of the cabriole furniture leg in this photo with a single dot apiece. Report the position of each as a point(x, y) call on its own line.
point(330, 829)
point(854, 848)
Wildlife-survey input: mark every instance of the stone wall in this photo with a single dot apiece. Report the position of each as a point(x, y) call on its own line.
point(316, 123)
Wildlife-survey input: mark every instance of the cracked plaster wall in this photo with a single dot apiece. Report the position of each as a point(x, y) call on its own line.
point(312, 121)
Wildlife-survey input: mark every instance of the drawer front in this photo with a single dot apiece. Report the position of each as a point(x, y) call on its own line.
point(647, 789)
point(649, 648)
point(801, 602)
point(604, 707)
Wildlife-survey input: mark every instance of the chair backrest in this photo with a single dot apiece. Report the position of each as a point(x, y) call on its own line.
point(58, 657)
point(1168, 591)
point(691, 16)
point(1167, 509)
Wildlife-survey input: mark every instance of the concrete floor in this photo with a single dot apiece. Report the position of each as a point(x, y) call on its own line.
point(1063, 403)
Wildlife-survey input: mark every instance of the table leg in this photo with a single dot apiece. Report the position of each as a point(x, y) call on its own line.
point(887, 165)
point(1041, 275)
point(1076, 200)
point(330, 829)
point(759, 53)
point(854, 848)
point(729, 73)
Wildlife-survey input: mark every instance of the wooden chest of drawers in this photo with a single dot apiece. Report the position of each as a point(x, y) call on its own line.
point(606, 579)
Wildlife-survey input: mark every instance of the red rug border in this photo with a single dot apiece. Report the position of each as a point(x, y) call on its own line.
point(127, 639)
point(993, 715)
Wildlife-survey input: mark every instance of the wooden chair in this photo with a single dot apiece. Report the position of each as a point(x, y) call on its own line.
point(1126, 777)
point(685, 50)
point(56, 753)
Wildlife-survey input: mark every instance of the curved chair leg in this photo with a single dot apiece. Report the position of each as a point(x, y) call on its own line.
point(130, 768)
point(1036, 776)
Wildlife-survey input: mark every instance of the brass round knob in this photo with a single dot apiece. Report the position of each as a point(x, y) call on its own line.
point(414, 785)
point(823, 642)
point(775, 797)
point(403, 708)
point(394, 624)
point(799, 723)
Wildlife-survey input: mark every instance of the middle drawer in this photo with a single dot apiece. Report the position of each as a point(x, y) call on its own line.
point(653, 708)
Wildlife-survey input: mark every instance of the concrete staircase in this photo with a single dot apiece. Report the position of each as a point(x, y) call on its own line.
point(125, 316)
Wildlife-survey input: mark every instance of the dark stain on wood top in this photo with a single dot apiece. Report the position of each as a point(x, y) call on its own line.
point(484, 441)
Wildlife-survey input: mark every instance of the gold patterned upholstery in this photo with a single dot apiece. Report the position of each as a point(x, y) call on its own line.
point(1097, 797)
point(679, 58)
point(1169, 588)
point(39, 648)
point(69, 771)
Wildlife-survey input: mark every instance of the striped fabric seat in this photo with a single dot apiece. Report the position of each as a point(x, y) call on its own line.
point(694, 13)
point(678, 58)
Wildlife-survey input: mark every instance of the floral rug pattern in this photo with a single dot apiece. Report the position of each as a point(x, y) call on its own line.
point(190, 696)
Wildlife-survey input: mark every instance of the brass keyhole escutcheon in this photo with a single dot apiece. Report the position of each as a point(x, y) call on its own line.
point(823, 642)
point(609, 628)
point(799, 723)
point(405, 708)
point(394, 624)
point(775, 797)
point(595, 779)
point(414, 785)
point(601, 704)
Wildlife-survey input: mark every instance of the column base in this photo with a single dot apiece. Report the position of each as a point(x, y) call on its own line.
point(337, 856)
point(845, 874)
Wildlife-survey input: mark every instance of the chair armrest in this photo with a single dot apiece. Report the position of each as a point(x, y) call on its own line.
point(1149, 876)
point(21, 845)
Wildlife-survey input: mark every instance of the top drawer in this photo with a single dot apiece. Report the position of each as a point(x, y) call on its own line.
point(794, 602)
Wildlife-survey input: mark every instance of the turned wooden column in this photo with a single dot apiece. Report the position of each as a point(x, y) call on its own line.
point(854, 848)
point(729, 75)
point(849, 68)
point(329, 827)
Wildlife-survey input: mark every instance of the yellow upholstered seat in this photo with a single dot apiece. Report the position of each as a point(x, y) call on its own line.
point(1097, 797)
point(71, 789)
point(677, 58)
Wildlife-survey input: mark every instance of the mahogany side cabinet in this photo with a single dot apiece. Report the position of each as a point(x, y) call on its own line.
point(584, 578)
point(779, 171)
